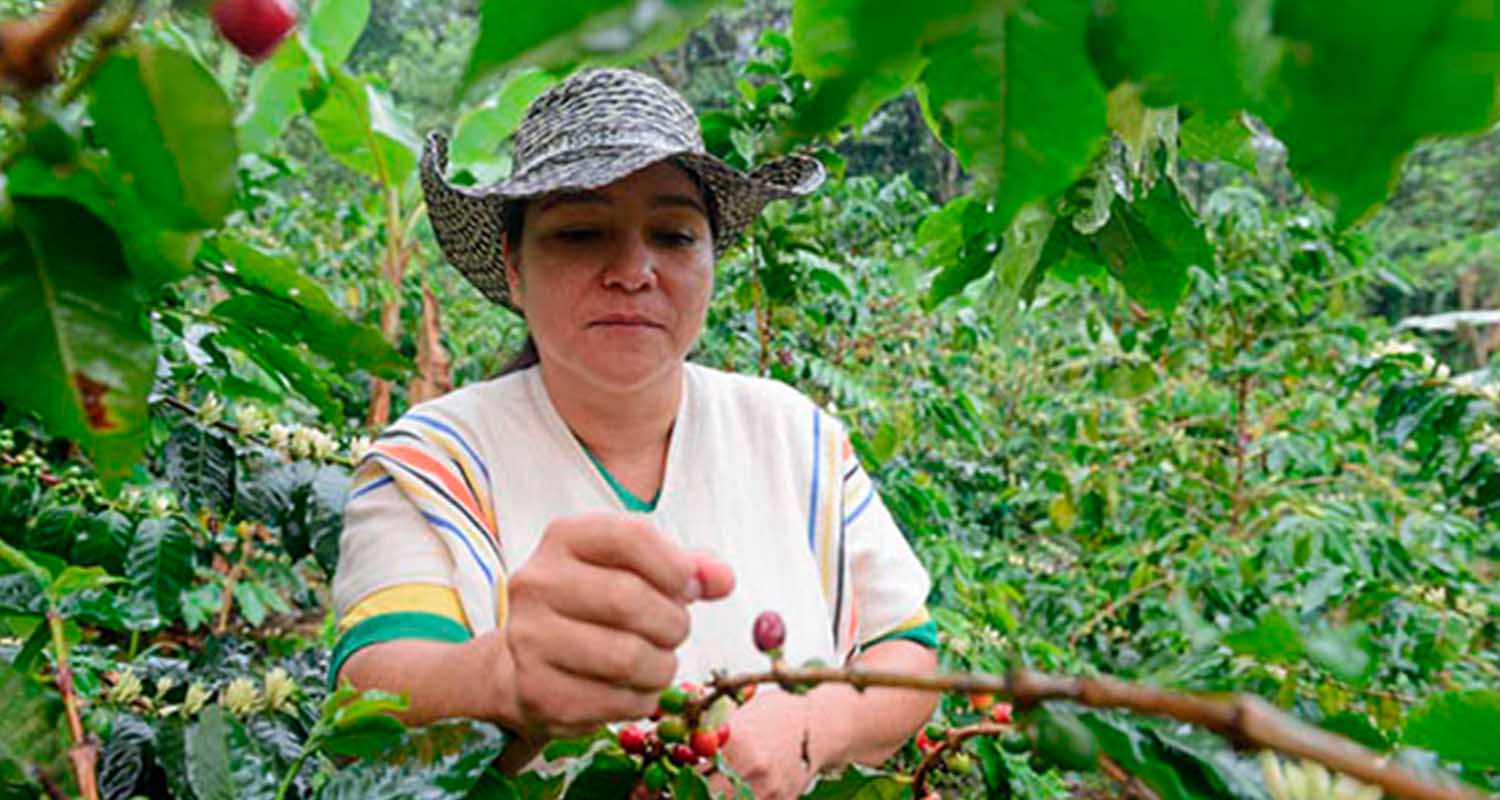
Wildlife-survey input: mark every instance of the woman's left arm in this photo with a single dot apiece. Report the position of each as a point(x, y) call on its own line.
point(779, 741)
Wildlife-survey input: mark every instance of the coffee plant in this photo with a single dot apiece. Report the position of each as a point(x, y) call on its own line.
point(1103, 291)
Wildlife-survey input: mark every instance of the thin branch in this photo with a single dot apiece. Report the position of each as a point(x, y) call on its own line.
point(29, 47)
point(1134, 786)
point(1115, 605)
point(1245, 720)
point(952, 740)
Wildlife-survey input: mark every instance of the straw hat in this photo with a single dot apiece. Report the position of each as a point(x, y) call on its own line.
point(588, 131)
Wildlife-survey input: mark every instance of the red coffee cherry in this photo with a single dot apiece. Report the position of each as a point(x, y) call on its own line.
point(682, 754)
point(1001, 713)
point(925, 744)
point(770, 632)
point(705, 743)
point(981, 701)
point(254, 27)
point(723, 733)
point(632, 740)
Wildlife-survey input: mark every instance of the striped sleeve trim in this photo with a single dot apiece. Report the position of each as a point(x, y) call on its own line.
point(918, 627)
point(391, 627)
point(429, 598)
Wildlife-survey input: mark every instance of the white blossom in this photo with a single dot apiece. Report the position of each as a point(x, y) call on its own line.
point(240, 697)
point(197, 697)
point(280, 688)
point(127, 688)
point(1310, 780)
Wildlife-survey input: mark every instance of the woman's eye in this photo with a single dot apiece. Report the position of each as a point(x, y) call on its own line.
point(578, 235)
point(677, 238)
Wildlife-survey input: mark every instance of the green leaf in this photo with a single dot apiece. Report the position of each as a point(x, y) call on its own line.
point(155, 254)
point(169, 125)
point(364, 737)
point(82, 355)
point(860, 783)
point(160, 565)
point(103, 542)
point(864, 52)
point(1206, 138)
point(23, 563)
point(200, 463)
point(362, 130)
point(224, 763)
point(1215, 57)
point(605, 775)
point(303, 503)
point(274, 97)
point(442, 761)
point(55, 528)
point(1365, 81)
point(1150, 244)
point(78, 579)
point(481, 130)
point(32, 736)
point(553, 35)
point(334, 26)
point(1274, 639)
point(286, 366)
point(1447, 724)
point(1015, 97)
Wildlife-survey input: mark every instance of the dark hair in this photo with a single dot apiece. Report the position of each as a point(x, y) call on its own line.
point(513, 223)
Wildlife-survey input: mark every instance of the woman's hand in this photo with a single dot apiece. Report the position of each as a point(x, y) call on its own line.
point(773, 747)
point(594, 619)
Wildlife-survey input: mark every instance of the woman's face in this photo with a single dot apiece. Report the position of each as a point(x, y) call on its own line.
point(615, 281)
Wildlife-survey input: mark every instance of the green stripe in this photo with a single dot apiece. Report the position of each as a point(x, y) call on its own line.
point(632, 503)
point(392, 626)
point(924, 634)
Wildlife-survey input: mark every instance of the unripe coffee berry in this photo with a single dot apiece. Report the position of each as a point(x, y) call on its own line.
point(655, 776)
point(959, 762)
point(672, 729)
point(770, 632)
point(632, 740)
point(682, 754)
point(705, 743)
point(673, 700)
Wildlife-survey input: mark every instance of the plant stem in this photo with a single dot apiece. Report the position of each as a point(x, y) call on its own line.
point(291, 773)
point(952, 739)
point(1246, 720)
point(84, 754)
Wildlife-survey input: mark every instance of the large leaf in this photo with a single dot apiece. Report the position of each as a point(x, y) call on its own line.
point(438, 762)
point(1366, 81)
point(274, 97)
point(224, 763)
point(169, 125)
point(480, 131)
point(1447, 724)
point(864, 52)
point(284, 365)
point(155, 254)
point(80, 353)
point(1213, 56)
point(552, 35)
point(334, 26)
point(1016, 99)
point(362, 130)
point(103, 541)
point(200, 464)
point(860, 783)
point(160, 565)
point(304, 503)
point(32, 736)
point(1150, 244)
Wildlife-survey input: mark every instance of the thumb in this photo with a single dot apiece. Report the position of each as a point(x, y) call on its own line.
point(715, 578)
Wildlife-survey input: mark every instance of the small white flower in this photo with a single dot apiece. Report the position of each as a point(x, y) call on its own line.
point(280, 688)
point(251, 420)
point(359, 448)
point(164, 684)
point(1443, 373)
point(197, 697)
point(240, 697)
point(280, 435)
point(127, 689)
point(211, 411)
point(161, 503)
point(1310, 781)
point(1391, 347)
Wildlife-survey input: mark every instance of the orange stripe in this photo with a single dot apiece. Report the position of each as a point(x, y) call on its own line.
point(431, 466)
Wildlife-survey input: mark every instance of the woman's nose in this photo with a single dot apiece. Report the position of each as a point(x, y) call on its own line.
point(633, 266)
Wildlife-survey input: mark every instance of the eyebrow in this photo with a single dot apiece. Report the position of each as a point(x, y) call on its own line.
point(597, 198)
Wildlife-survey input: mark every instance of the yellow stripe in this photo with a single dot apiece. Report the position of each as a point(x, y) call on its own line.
point(916, 620)
point(830, 519)
point(429, 597)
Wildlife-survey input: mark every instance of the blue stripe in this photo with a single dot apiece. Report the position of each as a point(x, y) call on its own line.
point(372, 486)
point(444, 524)
point(861, 508)
point(812, 502)
point(451, 432)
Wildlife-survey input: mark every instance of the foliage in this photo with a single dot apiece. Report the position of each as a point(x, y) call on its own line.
point(1201, 462)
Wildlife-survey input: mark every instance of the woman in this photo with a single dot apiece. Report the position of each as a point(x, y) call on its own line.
point(552, 548)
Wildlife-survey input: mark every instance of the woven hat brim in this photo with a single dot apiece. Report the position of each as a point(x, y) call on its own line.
point(467, 220)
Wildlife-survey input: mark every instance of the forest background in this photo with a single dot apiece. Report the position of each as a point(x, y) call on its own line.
point(1195, 406)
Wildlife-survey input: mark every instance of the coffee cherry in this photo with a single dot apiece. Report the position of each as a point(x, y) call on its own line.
point(655, 777)
point(925, 743)
point(746, 693)
point(705, 743)
point(254, 27)
point(932, 796)
point(723, 733)
point(673, 700)
point(632, 740)
point(770, 633)
point(672, 729)
point(1001, 713)
point(958, 762)
point(682, 754)
point(934, 731)
point(981, 701)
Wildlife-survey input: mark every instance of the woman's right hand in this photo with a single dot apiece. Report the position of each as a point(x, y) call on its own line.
point(593, 622)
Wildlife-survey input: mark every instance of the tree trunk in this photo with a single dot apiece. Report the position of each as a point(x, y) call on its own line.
point(434, 376)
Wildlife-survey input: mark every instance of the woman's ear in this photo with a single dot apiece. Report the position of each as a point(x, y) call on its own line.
point(512, 272)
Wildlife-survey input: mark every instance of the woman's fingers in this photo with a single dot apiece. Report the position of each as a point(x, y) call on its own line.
point(618, 599)
point(716, 578)
point(629, 542)
point(598, 653)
